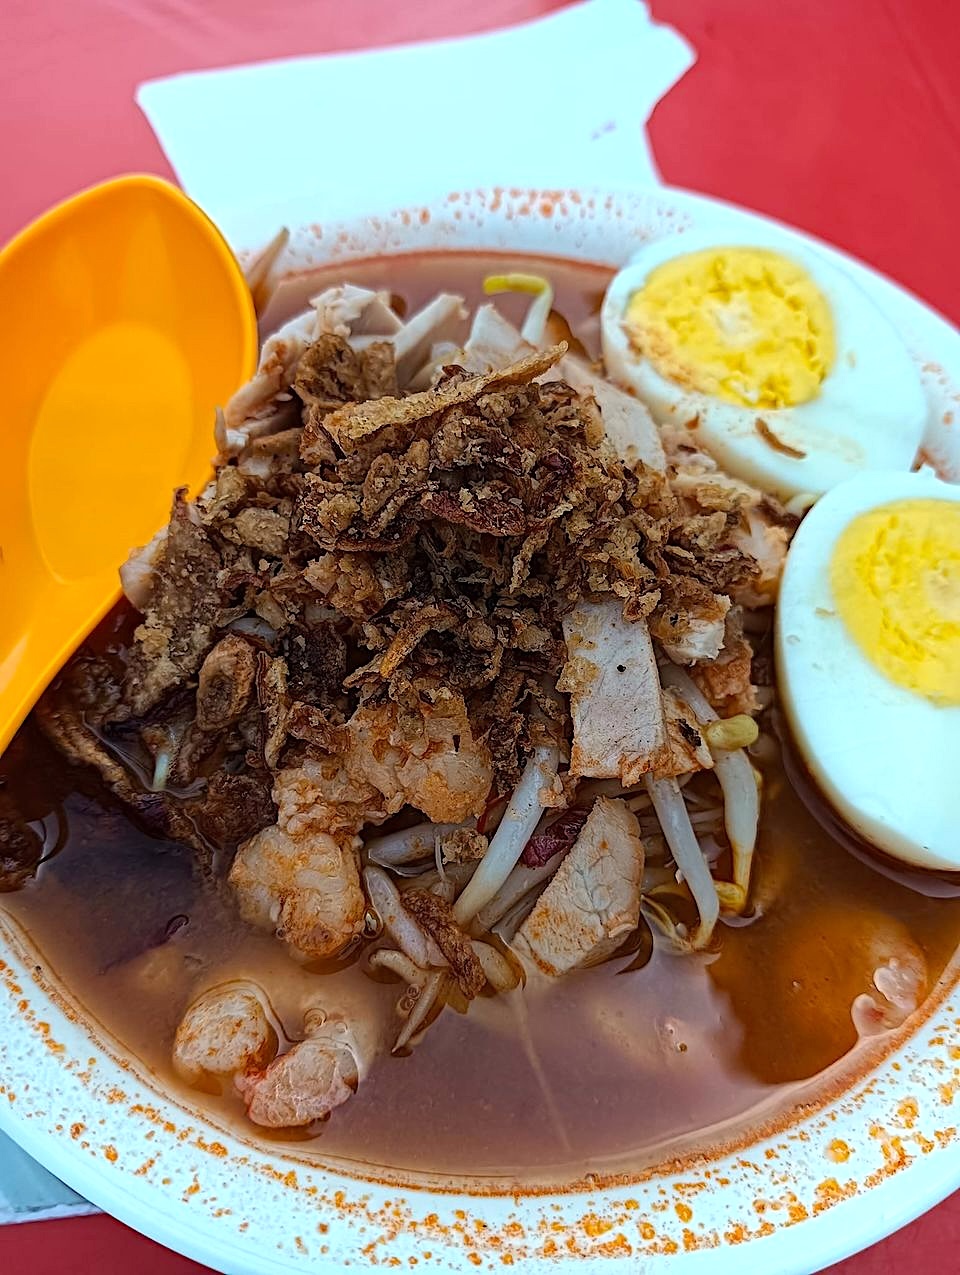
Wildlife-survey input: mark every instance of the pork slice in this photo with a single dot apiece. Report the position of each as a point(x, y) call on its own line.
point(493, 342)
point(440, 320)
point(427, 339)
point(355, 312)
point(258, 407)
point(615, 698)
point(593, 901)
point(246, 413)
point(627, 423)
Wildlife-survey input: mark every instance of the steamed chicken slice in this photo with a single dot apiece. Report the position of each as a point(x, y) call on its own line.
point(593, 901)
point(611, 677)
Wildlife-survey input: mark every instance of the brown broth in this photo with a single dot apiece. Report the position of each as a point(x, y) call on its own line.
point(630, 1060)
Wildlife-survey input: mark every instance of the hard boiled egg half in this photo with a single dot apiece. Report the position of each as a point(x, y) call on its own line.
point(868, 659)
point(776, 360)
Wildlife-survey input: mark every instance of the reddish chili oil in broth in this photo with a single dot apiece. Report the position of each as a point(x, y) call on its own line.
point(628, 1061)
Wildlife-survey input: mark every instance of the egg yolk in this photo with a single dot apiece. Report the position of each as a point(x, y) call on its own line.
point(742, 324)
point(895, 576)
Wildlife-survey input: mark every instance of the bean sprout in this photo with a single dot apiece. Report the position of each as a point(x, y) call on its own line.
point(397, 921)
point(517, 826)
point(675, 822)
point(741, 801)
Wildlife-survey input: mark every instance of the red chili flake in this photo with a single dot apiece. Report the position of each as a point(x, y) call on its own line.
point(493, 801)
point(557, 836)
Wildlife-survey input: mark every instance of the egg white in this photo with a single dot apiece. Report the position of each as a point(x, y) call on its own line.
point(870, 412)
point(883, 756)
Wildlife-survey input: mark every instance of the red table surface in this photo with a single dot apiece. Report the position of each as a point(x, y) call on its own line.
point(839, 116)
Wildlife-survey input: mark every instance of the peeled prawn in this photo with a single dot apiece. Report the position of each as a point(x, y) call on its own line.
point(306, 1083)
point(226, 1030)
point(442, 769)
point(301, 876)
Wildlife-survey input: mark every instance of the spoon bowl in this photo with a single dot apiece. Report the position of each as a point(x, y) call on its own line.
point(125, 321)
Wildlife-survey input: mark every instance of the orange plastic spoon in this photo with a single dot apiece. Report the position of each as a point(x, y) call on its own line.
point(124, 321)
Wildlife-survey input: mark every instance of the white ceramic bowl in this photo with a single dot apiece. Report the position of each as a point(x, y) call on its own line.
point(865, 1155)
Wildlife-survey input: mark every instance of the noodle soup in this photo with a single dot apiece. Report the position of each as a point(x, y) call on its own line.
point(600, 1069)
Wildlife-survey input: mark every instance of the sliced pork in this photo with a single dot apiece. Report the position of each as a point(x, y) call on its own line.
point(611, 678)
point(627, 423)
point(593, 900)
point(262, 405)
point(493, 342)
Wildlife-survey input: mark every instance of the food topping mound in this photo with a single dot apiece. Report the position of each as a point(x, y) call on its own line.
point(428, 579)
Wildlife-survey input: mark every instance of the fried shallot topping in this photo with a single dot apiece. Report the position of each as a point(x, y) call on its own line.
point(365, 553)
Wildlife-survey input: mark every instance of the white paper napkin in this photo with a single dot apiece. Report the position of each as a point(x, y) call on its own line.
point(556, 102)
